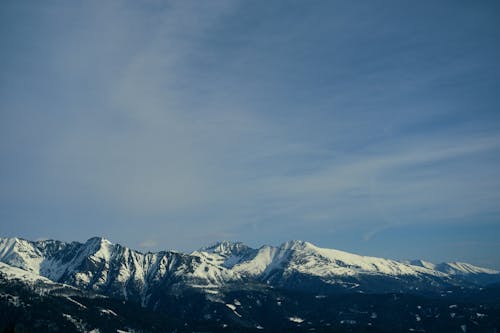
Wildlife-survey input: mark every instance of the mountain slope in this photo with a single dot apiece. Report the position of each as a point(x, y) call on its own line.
point(24, 307)
point(115, 270)
point(297, 286)
point(109, 268)
point(302, 265)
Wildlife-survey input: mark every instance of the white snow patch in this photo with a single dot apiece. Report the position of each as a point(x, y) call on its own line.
point(82, 278)
point(296, 319)
point(231, 306)
point(108, 312)
point(211, 291)
point(77, 303)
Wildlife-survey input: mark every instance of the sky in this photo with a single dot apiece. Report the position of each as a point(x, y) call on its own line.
point(370, 127)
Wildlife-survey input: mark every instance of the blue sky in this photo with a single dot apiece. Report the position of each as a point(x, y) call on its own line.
point(372, 127)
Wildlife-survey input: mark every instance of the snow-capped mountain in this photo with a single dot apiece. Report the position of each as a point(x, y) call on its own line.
point(112, 269)
point(99, 284)
point(108, 268)
point(453, 268)
point(304, 266)
point(306, 258)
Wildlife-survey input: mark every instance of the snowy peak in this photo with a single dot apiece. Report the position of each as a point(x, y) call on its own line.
point(452, 268)
point(226, 248)
point(20, 253)
point(460, 268)
point(313, 260)
point(296, 245)
point(98, 241)
point(109, 268)
point(422, 263)
point(226, 254)
point(101, 247)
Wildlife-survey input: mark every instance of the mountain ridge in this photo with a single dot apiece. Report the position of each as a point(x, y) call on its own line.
point(458, 266)
point(227, 247)
point(230, 282)
point(100, 264)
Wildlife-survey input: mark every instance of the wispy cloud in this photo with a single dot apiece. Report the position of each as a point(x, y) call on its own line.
point(221, 119)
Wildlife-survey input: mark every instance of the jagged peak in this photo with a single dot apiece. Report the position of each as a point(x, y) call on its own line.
point(98, 242)
point(459, 268)
point(98, 239)
point(14, 240)
point(225, 247)
point(237, 251)
point(11, 243)
point(100, 247)
point(422, 263)
point(296, 245)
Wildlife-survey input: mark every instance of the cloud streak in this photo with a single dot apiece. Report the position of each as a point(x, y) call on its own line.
point(180, 122)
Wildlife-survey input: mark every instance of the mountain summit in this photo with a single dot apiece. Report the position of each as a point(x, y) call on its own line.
point(104, 267)
point(230, 282)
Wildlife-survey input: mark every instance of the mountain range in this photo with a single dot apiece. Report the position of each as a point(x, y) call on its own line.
point(199, 287)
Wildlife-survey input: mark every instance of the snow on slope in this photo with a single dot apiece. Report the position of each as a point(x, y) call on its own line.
point(460, 268)
point(344, 263)
point(226, 254)
point(103, 266)
point(266, 259)
point(20, 253)
point(14, 273)
point(306, 258)
point(111, 268)
point(38, 284)
point(453, 268)
point(421, 263)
